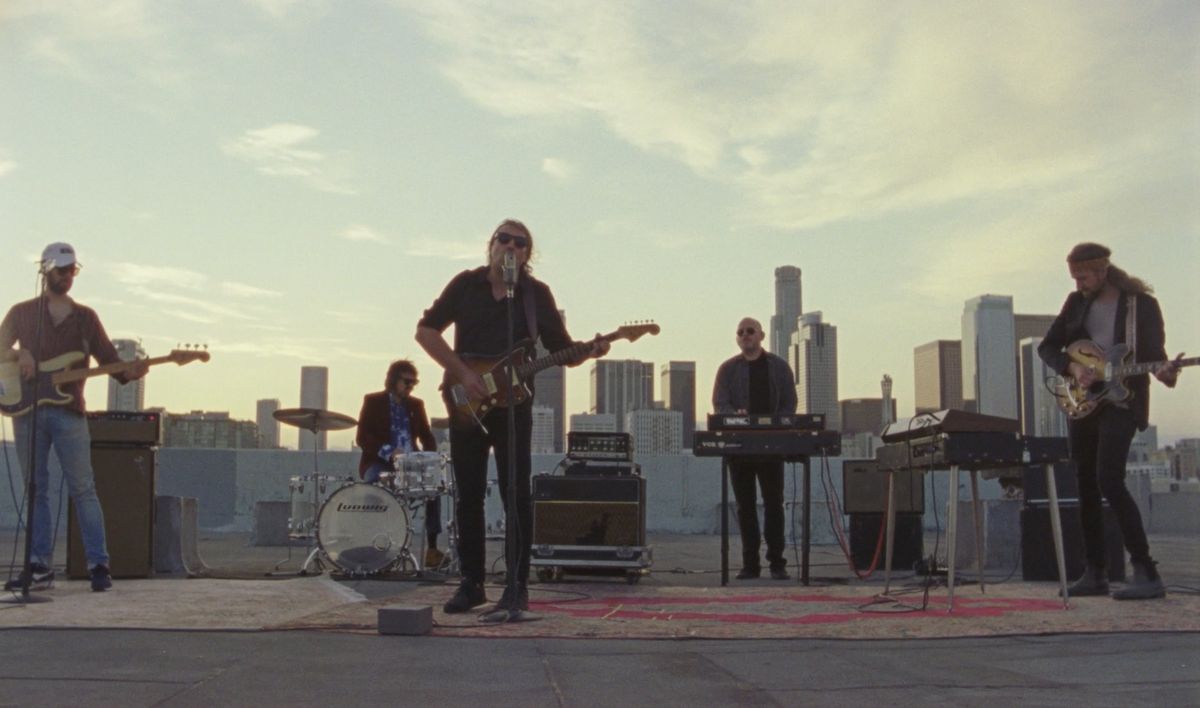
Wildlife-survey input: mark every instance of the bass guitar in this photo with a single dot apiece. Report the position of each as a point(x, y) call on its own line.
point(465, 409)
point(1111, 367)
point(17, 395)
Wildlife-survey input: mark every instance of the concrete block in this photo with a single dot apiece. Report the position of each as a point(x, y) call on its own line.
point(271, 523)
point(405, 619)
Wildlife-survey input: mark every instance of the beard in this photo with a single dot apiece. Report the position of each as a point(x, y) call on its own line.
point(58, 287)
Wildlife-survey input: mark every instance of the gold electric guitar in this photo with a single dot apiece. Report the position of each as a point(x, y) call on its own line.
point(465, 409)
point(1111, 367)
point(17, 395)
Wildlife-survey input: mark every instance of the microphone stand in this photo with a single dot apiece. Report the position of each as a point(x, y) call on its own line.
point(512, 525)
point(31, 483)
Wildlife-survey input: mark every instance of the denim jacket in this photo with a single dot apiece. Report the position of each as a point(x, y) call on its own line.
point(731, 390)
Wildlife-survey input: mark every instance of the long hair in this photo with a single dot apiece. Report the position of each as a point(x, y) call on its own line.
point(397, 368)
point(1096, 255)
point(527, 267)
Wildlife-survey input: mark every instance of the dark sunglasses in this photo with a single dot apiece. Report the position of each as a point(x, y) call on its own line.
point(68, 270)
point(518, 241)
point(408, 382)
point(746, 332)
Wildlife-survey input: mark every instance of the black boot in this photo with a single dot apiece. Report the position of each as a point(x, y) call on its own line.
point(1094, 581)
point(1146, 585)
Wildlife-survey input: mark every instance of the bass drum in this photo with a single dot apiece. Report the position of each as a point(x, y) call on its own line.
point(363, 529)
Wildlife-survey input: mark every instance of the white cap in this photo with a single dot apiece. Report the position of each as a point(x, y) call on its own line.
point(58, 255)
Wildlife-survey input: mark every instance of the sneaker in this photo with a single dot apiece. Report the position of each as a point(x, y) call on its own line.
point(434, 558)
point(506, 600)
point(469, 594)
point(749, 573)
point(101, 578)
point(42, 578)
point(780, 574)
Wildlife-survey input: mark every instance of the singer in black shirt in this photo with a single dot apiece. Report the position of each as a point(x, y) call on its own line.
point(475, 303)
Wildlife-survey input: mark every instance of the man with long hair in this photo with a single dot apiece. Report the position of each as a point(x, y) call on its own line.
point(1100, 310)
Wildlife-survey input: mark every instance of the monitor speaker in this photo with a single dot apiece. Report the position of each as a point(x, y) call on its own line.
point(125, 486)
point(1037, 543)
point(589, 511)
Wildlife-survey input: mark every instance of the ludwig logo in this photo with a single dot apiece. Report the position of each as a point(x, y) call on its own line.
point(377, 508)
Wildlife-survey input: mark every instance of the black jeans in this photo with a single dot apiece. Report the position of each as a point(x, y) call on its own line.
point(469, 451)
point(743, 473)
point(1100, 447)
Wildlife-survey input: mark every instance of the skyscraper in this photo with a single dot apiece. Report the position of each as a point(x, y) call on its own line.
point(887, 404)
point(130, 396)
point(865, 415)
point(937, 376)
point(655, 431)
point(814, 359)
point(550, 391)
point(593, 423)
point(268, 427)
point(989, 364)
point(620, 387)
point(788, 306)
point(542, 437)
point(1040, 415)
point(677, 380)
point(314, 393)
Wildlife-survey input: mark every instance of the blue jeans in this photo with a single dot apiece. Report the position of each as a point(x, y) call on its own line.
point(433, 507)
point(67, 432)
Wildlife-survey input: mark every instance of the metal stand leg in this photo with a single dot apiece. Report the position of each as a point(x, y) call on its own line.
point(804, 550)
point(978, 518)
point(890, 540)
point(724, 521)
point(1056, 528)
point(952, 530)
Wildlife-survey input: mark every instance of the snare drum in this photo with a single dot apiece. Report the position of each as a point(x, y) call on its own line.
point(307, 492)
point(363, 528)
point(420, 474)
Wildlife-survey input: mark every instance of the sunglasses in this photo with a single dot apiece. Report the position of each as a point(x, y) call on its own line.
point(68, 270)
point(518, 241)
point(746, 331)
point(408, 382)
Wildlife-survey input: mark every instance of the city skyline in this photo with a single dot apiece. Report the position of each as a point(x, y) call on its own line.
point(293, 183)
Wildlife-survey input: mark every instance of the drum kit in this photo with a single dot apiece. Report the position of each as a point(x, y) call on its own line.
point(363, 528)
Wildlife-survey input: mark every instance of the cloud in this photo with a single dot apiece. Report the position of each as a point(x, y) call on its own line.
point(359, 232)
point(196, 309)
point(558, 168)
point(136, 274)
point(243, 290)
point(429, 247)
point(284, 150)
point(823, 114)
point(281, 9)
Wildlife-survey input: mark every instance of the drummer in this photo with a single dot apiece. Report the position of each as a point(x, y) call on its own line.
point(393, 422)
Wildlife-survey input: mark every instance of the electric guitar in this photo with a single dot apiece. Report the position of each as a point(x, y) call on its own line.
point(17, 395)
point(1111, 368)
point(466, 409)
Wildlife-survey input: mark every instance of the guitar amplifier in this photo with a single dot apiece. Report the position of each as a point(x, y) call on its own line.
point(865, 488)
point(125, 427)
point(125, 476)
point(589, 511)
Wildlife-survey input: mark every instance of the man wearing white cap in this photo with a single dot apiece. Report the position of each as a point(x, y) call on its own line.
point(42, 329)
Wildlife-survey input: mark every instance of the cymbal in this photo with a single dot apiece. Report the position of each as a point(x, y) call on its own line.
point(314, 419)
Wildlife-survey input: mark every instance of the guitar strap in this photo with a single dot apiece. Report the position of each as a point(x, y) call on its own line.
point(530, 312)
point(1131, 325)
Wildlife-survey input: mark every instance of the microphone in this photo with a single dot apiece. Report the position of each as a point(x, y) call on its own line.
point(509, 269)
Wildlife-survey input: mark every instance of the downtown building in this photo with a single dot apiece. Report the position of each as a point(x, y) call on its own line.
point(314, 393)
point(677, 381)
point(937, 376)
point(813, 358)
point(788, 308)
point(268, 427)
point(550, 391)
point(593, 423)
point(543, 437)
point(989, 362)
point(655, 431)
point(209, 429)
point(130, 396)
point(1040, 414)
point(619, 387)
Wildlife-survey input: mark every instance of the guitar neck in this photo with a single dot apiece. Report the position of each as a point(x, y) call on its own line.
point(561, 357)
point(116, 367)
point(1147, 367)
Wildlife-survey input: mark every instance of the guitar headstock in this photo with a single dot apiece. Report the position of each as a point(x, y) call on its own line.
point(635, 330)
point(189, 353)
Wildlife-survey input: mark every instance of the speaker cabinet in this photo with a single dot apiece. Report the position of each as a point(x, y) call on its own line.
point(1066, 484)
point(865, 487)
point(1037, 543)
point(589, 511)
point(125, 486)
point(864, 536)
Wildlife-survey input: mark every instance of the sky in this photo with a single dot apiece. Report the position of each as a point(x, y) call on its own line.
point(292, 183)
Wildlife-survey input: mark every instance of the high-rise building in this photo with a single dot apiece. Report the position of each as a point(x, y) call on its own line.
point(542, 439)
point(864, 415)
point(593, 423)
point(268, 427)
point(211, 429)
point(1026, 326)
point(550, 391)
point(655, 431)
point(989, 364)
point(1144, 444)
point(887, 404)
point(130, 396)
point(620, 387)
point(677, 379)
point(814, 359)
point(937, 376)
point(1040, 414)
point(314, 393)
point(788, 306)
